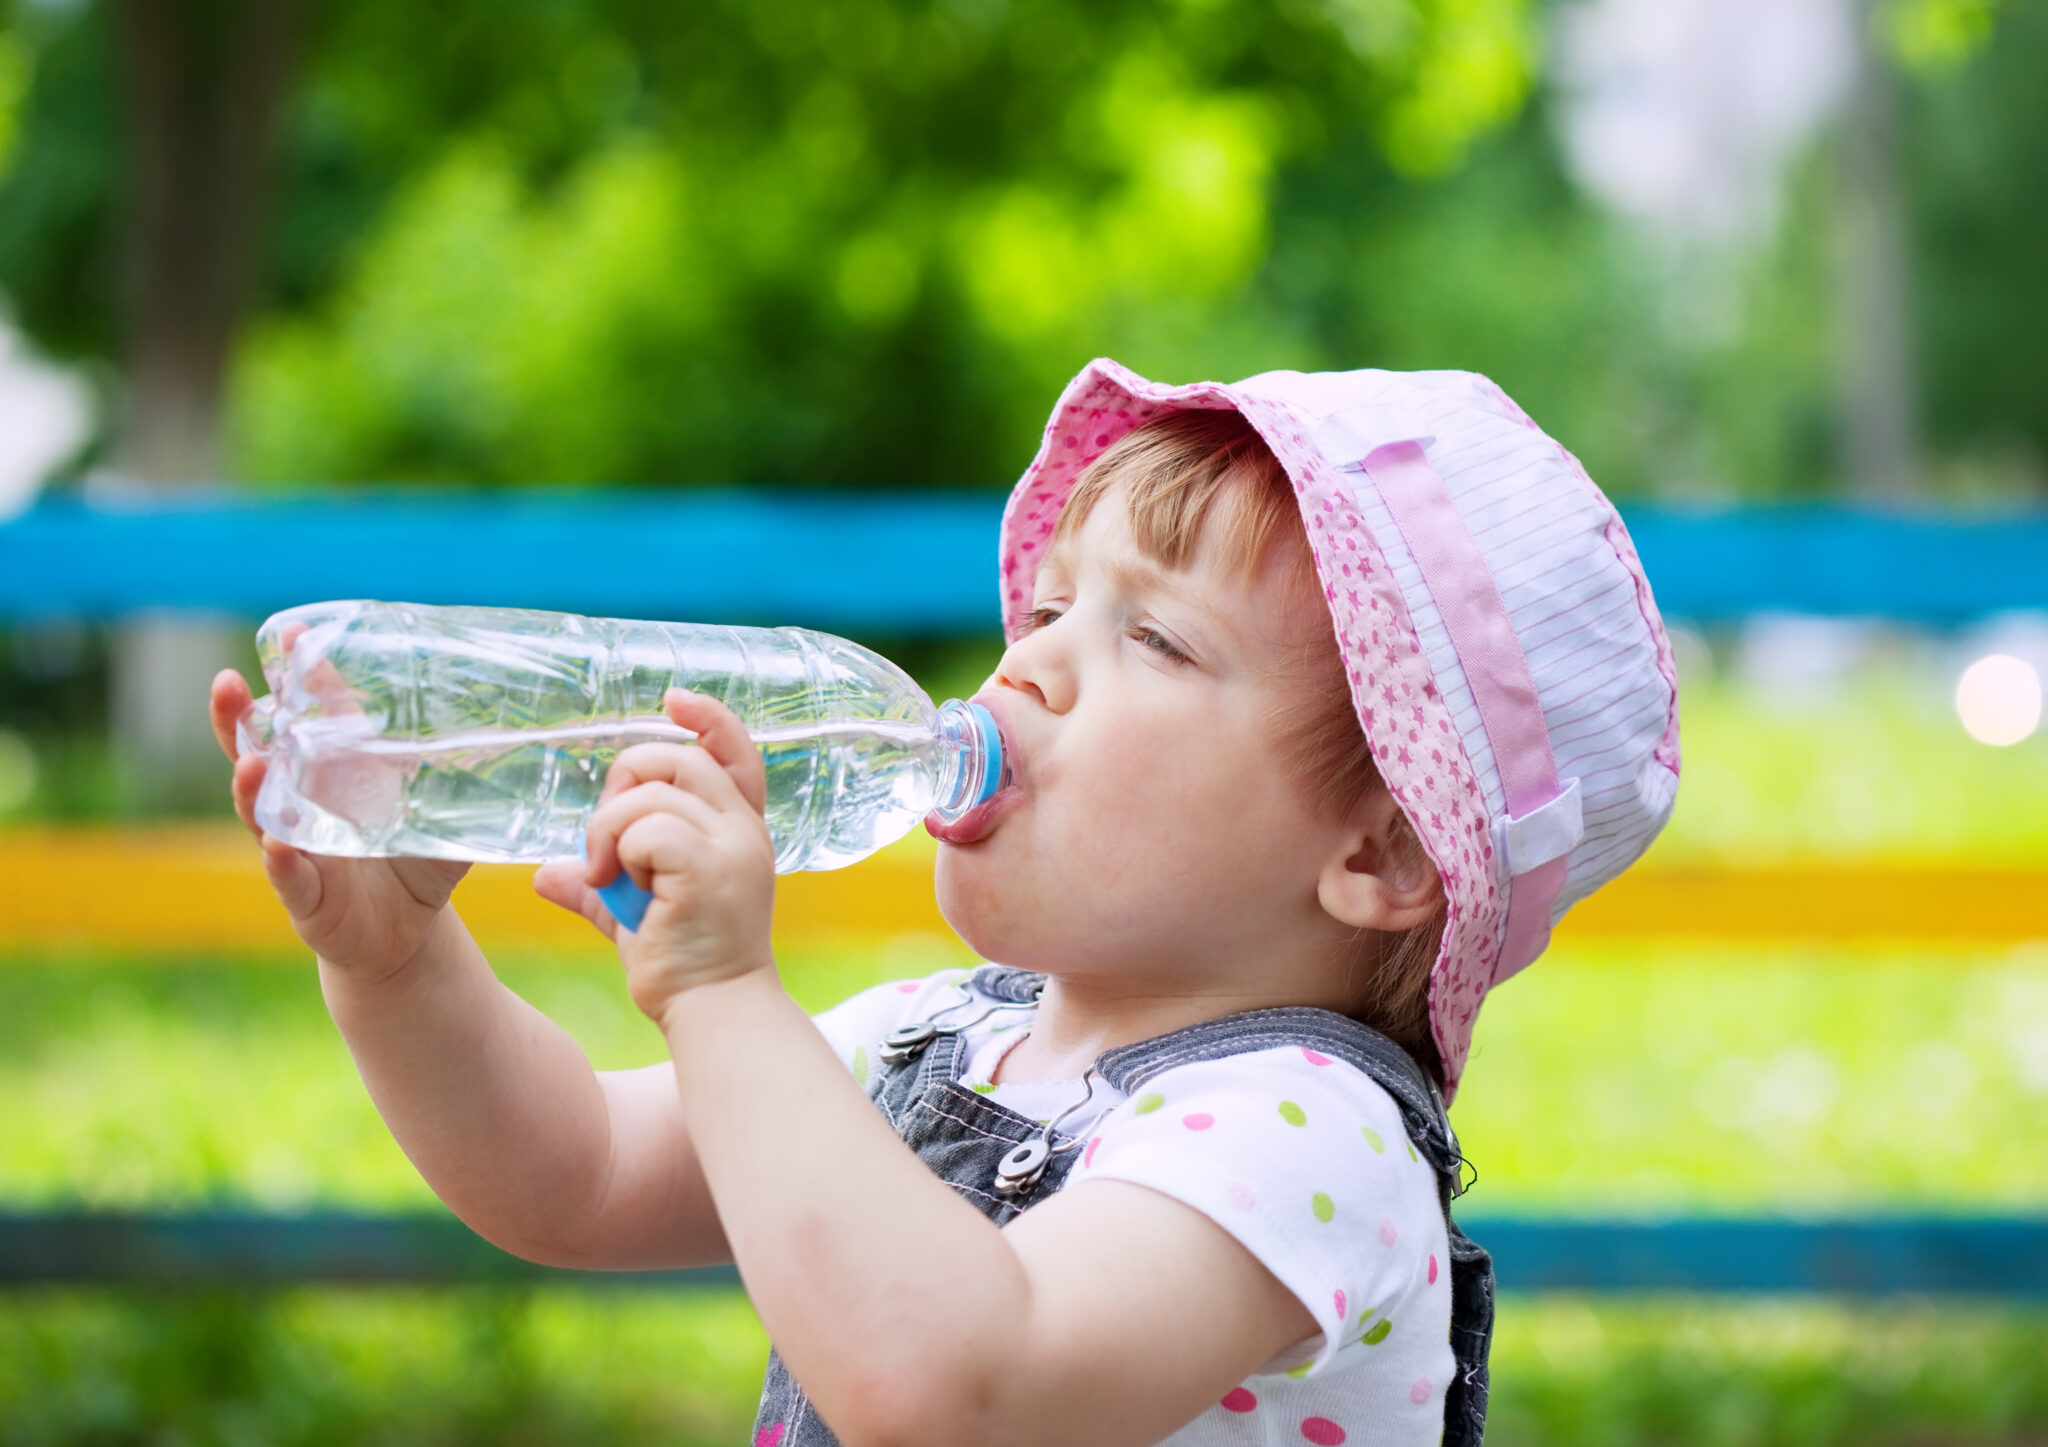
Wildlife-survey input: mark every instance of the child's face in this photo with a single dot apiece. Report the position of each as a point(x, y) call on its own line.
point(1156, 825)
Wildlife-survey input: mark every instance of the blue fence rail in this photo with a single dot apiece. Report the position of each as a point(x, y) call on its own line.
point(2003, 1257)
point(908, 563)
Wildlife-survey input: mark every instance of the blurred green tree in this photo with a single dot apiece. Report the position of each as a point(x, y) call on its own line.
point(540, 241)
point(605, 240)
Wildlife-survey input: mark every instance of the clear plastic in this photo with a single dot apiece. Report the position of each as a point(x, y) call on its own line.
point(486, 733)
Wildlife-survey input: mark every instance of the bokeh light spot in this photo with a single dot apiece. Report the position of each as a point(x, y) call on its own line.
point(1998, 699)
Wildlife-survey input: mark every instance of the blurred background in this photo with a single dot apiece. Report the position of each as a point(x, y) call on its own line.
point(1762, 264)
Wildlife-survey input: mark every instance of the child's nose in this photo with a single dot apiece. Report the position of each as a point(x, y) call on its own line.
point(1035, 665)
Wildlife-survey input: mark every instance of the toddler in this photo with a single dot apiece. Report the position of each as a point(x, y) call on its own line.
point(1324, 697)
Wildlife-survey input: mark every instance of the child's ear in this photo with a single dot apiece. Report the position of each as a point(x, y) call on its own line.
point(1378, 875)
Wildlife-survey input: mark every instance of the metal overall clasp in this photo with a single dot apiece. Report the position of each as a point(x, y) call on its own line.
point(906, 1042)
point(1024, 1167)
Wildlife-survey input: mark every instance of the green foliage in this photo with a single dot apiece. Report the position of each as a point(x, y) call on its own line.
point(1765, 1373)
point(1976, 134)
point(1933, 35)
point(167, 1083)
point(1876, 769)
point(867, 243)
point(324, 1368)
point(333, 1368)
point(1674, 1078)
point(1771, 1079)
point(13, 85)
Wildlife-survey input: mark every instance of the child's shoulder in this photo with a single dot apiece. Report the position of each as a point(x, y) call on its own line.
point(1289, 1095)
point(1304, 1159)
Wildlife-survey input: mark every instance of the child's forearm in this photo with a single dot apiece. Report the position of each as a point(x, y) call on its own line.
point(832, 1221)
point(495, 1105)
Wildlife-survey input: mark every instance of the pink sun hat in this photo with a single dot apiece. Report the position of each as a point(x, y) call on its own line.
point(1506, 658)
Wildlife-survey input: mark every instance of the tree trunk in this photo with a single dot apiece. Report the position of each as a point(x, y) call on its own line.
point(1878, 424)
point(203, 81)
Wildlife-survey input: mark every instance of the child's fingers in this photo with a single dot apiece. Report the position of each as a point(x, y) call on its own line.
point(619, 813)
point(248, 782)
point(659, 843)
point(685, 766)
point(722, 735)
point(561, 882)
point(324, 682)
point(225, 702)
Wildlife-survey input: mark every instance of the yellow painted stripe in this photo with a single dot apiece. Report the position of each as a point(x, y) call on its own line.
point(194, 888)
point(197, 888)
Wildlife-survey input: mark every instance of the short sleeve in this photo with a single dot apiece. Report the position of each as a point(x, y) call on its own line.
point(1304, 1160)
point(856, 1026)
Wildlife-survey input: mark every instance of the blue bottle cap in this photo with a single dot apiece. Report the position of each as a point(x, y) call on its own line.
point(626, 900)
point(991, 753)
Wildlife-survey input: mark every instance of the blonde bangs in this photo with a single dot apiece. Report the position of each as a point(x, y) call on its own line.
point(1174, 473)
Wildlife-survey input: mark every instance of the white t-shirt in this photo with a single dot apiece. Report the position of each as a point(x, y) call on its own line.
point(1301, 1158)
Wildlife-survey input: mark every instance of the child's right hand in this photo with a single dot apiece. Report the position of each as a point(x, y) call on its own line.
point(365, 916)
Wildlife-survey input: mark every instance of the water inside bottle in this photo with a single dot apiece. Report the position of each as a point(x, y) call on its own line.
point(526, 794)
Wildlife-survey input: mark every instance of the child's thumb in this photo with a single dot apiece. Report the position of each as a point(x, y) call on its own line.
point(295, 877)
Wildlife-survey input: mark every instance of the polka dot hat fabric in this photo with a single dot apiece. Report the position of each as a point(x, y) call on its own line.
point(1506, 657)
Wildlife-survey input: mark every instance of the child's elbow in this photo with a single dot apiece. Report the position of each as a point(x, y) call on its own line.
point(900, 1411)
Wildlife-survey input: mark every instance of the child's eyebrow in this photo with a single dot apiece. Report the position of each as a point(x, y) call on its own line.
point(1138, 575)
point(1143, 577)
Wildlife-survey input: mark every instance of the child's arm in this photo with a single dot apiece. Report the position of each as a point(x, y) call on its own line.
point(500, 1112)
point(495, 1105)
point(1108, 1314)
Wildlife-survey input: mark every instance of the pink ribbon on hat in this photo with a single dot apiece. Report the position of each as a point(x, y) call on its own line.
point(1532, 845)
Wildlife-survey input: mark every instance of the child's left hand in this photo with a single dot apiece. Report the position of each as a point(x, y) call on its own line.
point(686, 822)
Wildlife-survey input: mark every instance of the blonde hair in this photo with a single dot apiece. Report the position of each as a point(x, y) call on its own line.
point(1199, 474)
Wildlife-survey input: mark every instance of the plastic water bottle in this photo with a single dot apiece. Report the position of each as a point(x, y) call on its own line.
point(486, 733)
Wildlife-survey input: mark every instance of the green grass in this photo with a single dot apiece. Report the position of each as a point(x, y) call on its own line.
point(336, 1368)
point(1879, 769)
point(1686, 1079)
point(559, 1367)
point(130, 1082)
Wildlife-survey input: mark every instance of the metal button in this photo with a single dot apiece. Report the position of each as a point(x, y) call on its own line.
point(1022, 1168)
point(906, 1042)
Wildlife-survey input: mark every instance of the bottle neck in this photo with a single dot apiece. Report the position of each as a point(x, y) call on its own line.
point(970, 765)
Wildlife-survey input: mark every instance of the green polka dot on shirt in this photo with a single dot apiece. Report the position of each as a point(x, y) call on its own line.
point(1323, 1206)
point(1378, 1333)
point(1150, 1101)
point(1292, 1113)
point(1374, 1139)
point(860, 1065)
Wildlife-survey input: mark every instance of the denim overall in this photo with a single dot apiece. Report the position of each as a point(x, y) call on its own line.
point(967, 1139)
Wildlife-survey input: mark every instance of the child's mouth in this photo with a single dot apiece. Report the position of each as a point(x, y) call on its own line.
point(980, 821)
point(977, 823)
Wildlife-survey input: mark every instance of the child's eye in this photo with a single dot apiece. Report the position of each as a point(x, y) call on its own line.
point(1160, 644)
point(1037, 618)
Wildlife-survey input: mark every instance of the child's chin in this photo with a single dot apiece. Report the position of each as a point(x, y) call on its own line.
point(973, 901)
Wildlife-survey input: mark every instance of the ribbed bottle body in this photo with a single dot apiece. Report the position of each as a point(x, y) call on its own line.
point(486, 733)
